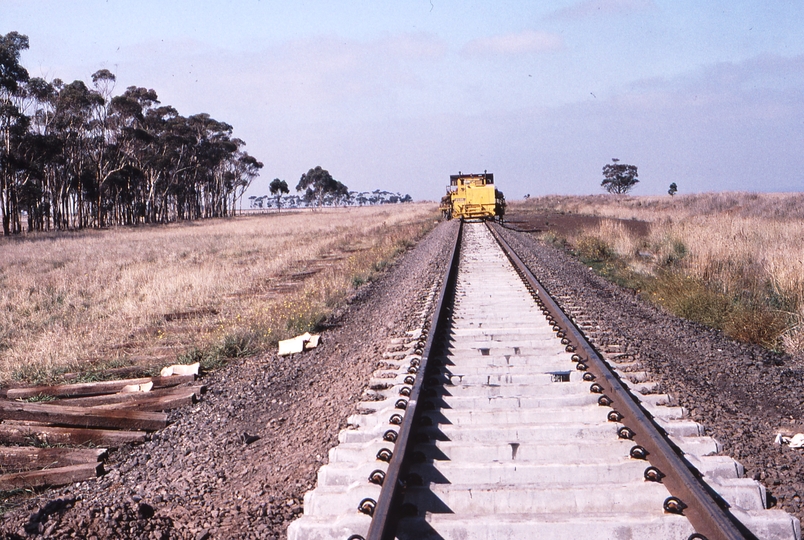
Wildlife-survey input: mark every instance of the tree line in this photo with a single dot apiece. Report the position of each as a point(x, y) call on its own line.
point(76, 156)
point(319, 188)
point(352, 198)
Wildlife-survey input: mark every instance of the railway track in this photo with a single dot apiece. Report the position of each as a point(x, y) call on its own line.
point(501, 421)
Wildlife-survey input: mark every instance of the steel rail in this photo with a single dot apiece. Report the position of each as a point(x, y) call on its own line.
point(690, 496)
point(385, 514)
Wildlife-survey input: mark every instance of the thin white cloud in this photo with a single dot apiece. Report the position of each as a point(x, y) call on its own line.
point(527, 42)
point(591, 8)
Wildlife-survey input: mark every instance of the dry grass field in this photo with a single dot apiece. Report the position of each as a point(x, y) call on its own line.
point(734, 261)
point(92, 301)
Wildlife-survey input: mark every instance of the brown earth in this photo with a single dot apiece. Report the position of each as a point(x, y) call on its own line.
point(563, 224)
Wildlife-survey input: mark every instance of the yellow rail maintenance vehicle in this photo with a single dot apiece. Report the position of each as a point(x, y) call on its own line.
point(473, 197)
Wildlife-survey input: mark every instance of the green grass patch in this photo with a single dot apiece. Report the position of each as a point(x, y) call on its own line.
point(39, 398)
point(601, 257)
point(592, 249)
point(742, 317)
point(38, 374)
point(215, 356)
point(754, 316)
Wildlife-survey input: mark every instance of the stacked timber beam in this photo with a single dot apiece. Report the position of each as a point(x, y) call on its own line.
point(59, 434)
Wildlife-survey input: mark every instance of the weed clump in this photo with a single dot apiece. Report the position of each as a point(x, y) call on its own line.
point(594, 249)
point(214, 356)
point(690, 298)
point(675, 255)
point(39, 398)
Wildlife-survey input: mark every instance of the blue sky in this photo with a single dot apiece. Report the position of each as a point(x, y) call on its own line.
point(398, 96)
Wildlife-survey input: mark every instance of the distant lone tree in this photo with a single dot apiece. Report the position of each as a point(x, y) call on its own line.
point(278, 188)
point(318, 183)
point(673, 189)
point(619, 177)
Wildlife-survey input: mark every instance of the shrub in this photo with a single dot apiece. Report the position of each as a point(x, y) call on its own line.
point(594, 249)
point(756, 323)
point(690, 298)
point(678, 251)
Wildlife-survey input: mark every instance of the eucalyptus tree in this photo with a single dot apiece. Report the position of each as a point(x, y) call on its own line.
point(207, 181)
point(40, 152)
point(619, 177)
point(73, 124)
point(104, 151)
point(173, 166)
point(318, 183)
point(673, 189)
point(243, 169)
point(278, 188)
point(13, 124)
point(139, 125)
